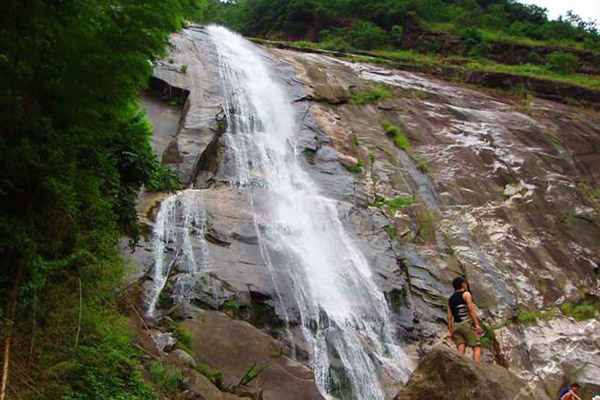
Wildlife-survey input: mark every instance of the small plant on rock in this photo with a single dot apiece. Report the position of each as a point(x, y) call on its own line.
point(251, 374)
point(392, 131)
point(580, 312)
point(166, 377)
point(354, 169)
point(374, 95)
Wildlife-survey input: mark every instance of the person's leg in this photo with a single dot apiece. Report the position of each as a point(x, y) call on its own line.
point(462, 348)
point(477, 353)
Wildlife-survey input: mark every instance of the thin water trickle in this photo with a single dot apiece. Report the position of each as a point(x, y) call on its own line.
point(343, 314)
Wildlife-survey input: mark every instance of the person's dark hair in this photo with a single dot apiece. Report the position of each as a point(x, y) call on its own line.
point(457, 282)
point(575, 385)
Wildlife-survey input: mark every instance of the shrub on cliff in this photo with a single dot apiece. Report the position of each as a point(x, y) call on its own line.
point(562, 63)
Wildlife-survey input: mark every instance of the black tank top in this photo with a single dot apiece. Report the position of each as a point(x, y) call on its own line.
point(458, 306)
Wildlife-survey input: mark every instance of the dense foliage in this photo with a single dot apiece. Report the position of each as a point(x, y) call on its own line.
point(363, 24)
point(74, 150)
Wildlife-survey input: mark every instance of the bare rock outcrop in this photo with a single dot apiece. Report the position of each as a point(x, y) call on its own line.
point(444, 375)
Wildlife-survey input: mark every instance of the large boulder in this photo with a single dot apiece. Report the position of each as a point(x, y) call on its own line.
point(232, 347)
point(444, 375)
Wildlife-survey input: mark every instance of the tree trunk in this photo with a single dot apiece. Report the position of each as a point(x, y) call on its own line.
point(9, 318)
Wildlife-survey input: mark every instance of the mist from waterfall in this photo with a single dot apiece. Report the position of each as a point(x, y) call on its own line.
point(344, 316)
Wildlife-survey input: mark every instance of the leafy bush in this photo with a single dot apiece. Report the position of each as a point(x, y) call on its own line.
point(562, 63)
point(535, 58)
point(396, 35)
point(475, 42)
point(366, 35)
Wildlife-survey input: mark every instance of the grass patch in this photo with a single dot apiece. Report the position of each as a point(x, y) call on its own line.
point(184, 338)
point(392, 131)
point(393, 204)
point(389, 57)
point(487, 339)
point(231, 307)
point(533, 316)
point(166, 377)
point(534, 71)
point(216, 377)
point(374, 95)
point(580, 312)
point(353, 169)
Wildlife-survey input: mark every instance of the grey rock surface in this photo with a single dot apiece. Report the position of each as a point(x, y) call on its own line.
point(500, 192)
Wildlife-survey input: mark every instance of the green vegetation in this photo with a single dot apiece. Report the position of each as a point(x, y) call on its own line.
point(354, 169)
point(374, 95)
point(533, 316)
point(232, 307)
point(74, 151)
point(251, 374)
point(487, 339)
point(534, 71)
point(167, 377)
point(216, 377)
point(396, 133)
point(580, 312)
point(386, 23)
point(184, 338)
point(393, 204)
point(466, 35)
point(563, 63)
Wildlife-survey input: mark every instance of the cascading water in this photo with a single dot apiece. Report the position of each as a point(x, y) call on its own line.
point(343, 314)
point(179, 222)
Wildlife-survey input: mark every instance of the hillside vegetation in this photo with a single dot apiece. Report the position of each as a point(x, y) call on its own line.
point(488, 35)
point(74, 150)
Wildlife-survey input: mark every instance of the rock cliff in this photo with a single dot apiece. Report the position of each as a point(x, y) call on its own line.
point(434, 180)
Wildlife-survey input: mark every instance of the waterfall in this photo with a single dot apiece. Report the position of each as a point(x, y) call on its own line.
point(179, 223)
point(343, 314)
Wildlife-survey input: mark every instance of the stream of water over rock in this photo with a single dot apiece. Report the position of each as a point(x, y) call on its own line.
point(343, 314)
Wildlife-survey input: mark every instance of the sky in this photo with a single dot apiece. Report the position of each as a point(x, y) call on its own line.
point(587, 9)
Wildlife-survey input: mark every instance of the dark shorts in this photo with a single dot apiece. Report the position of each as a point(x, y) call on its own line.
point(464, 333)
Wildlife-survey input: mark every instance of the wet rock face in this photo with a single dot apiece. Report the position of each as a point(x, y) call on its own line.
point(191, 82)
point(500, 191)
point(497, 189)
point(443, 374)
point(555, 353)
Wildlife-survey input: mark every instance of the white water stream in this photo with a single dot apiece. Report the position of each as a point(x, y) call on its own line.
point(344, 315)
point(179, 227)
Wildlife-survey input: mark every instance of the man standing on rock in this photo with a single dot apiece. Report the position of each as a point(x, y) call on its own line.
point(462, 312)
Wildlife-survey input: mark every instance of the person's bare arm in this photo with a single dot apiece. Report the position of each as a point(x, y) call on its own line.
point(571, 396)
point(472, 311)
point(449, 319)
